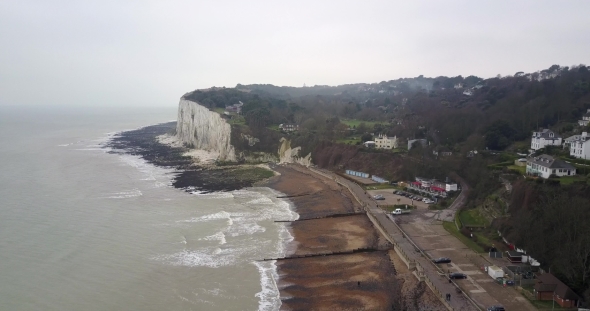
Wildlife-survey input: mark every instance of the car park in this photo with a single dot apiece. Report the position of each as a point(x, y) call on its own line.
point(442, 260)
point(457, 275)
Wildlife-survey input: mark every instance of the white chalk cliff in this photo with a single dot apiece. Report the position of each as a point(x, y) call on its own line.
point(200, 128)
point(291, 155)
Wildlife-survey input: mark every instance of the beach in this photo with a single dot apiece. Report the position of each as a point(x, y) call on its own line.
point(348, 265)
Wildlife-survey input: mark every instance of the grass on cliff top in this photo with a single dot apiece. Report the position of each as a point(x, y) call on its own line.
point(472, 217)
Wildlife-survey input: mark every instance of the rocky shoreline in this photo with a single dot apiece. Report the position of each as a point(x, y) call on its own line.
point(191, 176)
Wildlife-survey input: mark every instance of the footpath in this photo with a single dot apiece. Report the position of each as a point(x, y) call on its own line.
point(410, 253)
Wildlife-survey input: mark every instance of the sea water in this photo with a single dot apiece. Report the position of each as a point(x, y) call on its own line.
point(85, 229)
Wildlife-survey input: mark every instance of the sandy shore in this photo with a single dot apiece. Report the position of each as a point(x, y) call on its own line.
point(366, 280)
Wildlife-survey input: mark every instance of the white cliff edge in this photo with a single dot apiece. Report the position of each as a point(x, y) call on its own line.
point(209, 137)
point(291, 155)
point(202, 129)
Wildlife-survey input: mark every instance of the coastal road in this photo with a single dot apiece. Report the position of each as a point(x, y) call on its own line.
point(449, 213)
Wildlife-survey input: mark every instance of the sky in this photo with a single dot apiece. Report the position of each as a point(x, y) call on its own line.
point(149, 53)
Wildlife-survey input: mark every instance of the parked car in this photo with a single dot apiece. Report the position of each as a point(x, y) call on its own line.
point(457, 275)
point(496, 308)
point(510, 283)
point(378, 197)
point(442, 260)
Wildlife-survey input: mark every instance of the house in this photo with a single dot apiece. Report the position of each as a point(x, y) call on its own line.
point(289, 127)
point(235, 108)
point(468, 92)
point(579, 145)
point(545, 166)
point(548, 287)
point(433, 186)
point(384, 142)
point(445, 152)
point(411, 142)
point(585, 119)
point(459, 86)
point(543, 138)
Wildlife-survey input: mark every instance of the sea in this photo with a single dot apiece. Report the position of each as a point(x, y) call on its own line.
point(82, 228)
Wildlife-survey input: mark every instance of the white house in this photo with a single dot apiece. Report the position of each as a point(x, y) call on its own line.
point(289, 127)
point(468, 92)
point(545, 165)
point(580, 146)
point(546, 137)
point(585, 119)
point(384, 142)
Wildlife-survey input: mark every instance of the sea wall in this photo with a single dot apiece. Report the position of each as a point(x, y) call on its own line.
point(200, 128)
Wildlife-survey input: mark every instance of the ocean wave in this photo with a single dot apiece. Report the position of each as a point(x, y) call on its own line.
point(212, 195)
point(124, 194)
point(219, 236)
point(209, 217)
point(269, 296)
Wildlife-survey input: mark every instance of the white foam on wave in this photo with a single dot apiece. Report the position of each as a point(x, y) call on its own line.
point(209, 217)
point(269, 297)
point(219, 236)
point(124, 194)
point(214, 257)
point(159, 175)
point(213, 195)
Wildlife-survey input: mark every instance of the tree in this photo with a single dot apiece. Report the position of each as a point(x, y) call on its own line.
point(366, 137)
point(362, 128)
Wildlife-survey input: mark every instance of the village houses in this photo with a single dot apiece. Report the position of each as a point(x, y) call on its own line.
point(545, 166)
point(579, 145)
point(289, 127)
point(585, 119)
point(543, 138)
point(384, 142)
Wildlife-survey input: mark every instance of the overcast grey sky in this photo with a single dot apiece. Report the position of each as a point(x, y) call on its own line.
point(105, 53)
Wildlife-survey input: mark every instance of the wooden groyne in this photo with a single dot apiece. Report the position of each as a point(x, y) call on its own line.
point(325, 216)
point(354, 251)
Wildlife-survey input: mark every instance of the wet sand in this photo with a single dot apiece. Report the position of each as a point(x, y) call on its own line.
point(374, 278)
point(354, 281)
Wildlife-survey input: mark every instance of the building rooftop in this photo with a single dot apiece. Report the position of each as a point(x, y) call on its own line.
point(547, 282)
point(549, 162)
point(547, 134)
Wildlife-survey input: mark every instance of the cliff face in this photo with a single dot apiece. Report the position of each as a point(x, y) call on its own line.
point(203, 129)
point(291, 155)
